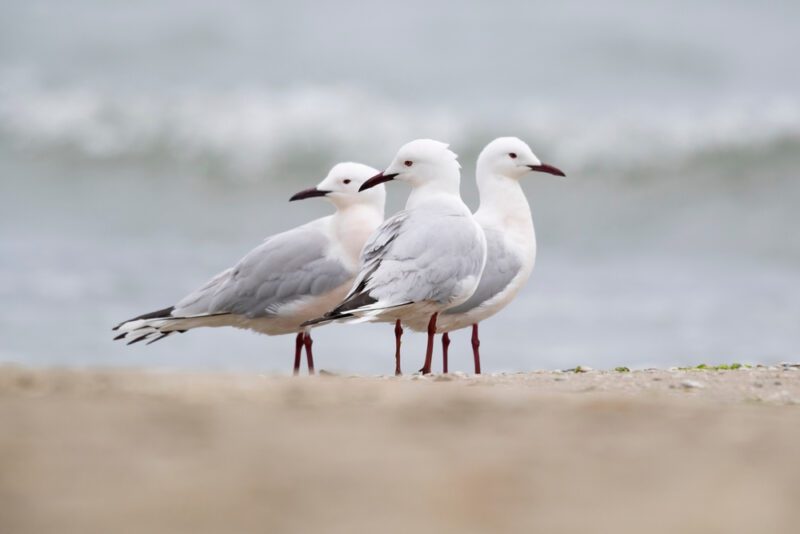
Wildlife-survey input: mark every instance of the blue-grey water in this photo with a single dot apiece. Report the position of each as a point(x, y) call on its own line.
point(145, 146)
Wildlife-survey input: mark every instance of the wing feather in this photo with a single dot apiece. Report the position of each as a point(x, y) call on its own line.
point(502, 266)
point(287, 267)
point(414, 256)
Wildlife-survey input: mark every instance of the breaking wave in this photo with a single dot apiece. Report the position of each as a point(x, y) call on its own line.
point(251, 132)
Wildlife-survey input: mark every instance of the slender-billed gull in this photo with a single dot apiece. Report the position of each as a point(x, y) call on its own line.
point(290, 278)
point(505, 216)
point(426, 258)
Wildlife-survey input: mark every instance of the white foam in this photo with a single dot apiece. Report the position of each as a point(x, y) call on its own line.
point(249, 132)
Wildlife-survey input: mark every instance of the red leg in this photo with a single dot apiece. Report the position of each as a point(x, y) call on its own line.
point(426, 369)
point(445, 346)
point(398, 333)
point(309, 357)
point(476, 352)
point(298, 349)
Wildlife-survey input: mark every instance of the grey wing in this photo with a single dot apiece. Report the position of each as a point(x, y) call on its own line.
point(285, 268)
point(418, 256)
point(381, 239)
point(502, 266)
point(371, 257)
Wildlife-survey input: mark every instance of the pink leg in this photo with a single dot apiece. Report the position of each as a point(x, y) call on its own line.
point(298, 349)
point(445, 346)
point(398, 333)
point(309, 357)
point(426, 369)
point(476, 353)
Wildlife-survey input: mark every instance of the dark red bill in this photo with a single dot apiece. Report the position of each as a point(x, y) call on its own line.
point(309, 193)
point(549, 169)
point(377, 179)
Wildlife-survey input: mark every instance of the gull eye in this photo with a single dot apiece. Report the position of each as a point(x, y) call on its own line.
point(346, 181)
point(408, 163)
point(512, 155)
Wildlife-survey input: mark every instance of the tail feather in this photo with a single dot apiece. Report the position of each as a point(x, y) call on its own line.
point(159, 324)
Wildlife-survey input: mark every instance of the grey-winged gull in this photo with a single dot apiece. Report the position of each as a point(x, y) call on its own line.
point(290, 278)
point(505, 217)
point(426, 258)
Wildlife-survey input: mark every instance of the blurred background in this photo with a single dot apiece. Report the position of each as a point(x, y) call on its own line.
point(146, 146)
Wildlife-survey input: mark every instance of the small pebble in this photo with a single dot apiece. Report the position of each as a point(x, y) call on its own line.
point(692, 384)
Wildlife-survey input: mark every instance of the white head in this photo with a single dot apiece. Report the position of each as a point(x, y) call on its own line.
point(511, 157)
point(422, 162)
point(342, 184)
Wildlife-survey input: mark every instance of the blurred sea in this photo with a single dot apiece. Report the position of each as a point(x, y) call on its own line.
point(146, 146)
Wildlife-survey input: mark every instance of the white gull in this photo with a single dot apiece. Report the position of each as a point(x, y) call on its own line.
point(505, 217)
point(290, 278)
point(424, 259)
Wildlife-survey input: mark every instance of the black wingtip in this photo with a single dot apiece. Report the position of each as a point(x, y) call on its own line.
point(122, 335)
point(162, 336)
point(313, 322)
point(326, 319)
point(138, 339)
point(158, 314)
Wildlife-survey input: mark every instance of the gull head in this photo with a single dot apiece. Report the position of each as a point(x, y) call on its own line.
point(341, 187)
point(421, 162)
point(513, 158)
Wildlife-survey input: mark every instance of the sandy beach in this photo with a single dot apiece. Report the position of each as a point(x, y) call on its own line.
point(643, 451)
point(633, 168)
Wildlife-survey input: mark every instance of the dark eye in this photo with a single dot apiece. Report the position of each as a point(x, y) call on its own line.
point(346, 181)
point(512, 155)
point(408, 163)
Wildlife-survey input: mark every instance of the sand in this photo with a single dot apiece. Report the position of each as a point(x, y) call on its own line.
point(85, 451)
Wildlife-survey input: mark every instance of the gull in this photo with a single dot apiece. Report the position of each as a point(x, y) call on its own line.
point(505, 217)
point(424, 259)
point(290, 278)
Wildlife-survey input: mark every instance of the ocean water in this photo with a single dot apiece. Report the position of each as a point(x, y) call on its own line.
point(146, 146)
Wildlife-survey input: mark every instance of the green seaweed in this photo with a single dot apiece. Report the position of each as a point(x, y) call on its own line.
point(578, 369)
point(721, 367)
